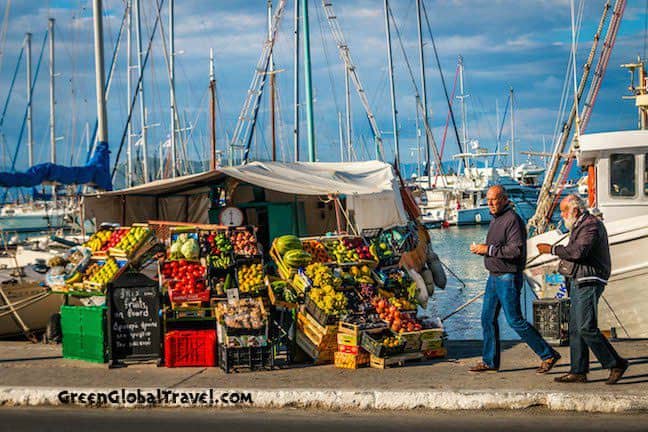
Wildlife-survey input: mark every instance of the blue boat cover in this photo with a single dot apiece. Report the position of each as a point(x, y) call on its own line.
point(96, 173)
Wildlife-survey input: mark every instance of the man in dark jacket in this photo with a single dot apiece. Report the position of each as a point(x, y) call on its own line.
point(504, 257)
point(587, 259)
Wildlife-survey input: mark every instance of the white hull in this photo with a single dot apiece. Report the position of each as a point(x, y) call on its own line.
point(625, 300)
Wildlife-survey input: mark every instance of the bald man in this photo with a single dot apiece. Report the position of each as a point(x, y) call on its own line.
point(504, 257)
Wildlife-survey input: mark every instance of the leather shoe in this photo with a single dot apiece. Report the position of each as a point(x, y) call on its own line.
point(617, 373)
point(482, 367)
point(548, 364)
point(572, 378)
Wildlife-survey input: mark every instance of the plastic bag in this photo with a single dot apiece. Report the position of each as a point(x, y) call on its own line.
point(422, 294)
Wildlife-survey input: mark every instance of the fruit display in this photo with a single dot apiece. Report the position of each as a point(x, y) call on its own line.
point(132, 239)
point(296, 258)
point(402, 304)
point(340, 251)
point(242, 314)
point(359, 247)
point(98, 240)
point(115, 238)
point(283, 291)
point(365, 321)
point(380, 250)
point(322, 276)
point(317, 251)
point(250, 279)
point(391, 342)
point(328, 300)
point(286, 243)
point(184, 246)
point(244, 243)
point(184, 278)
point(220, 284)
point(398, 321)
point(105, 273)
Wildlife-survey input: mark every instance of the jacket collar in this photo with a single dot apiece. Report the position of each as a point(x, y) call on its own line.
point(506, 208)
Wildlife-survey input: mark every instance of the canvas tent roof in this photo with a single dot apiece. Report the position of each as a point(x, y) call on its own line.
point(370, 187)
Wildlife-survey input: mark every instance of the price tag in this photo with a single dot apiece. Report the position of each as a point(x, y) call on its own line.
point(232, 296)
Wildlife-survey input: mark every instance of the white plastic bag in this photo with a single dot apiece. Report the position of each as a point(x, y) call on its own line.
point(422, 294)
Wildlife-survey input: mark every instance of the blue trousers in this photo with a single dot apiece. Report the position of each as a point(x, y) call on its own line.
point(584, 333)
point(503, 292)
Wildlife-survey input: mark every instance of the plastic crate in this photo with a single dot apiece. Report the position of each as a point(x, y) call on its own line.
point(190, 348)
point(252, 358)
point(372, 342)
point(551, 318)
point(84, 336)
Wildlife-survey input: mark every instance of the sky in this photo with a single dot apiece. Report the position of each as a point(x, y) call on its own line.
point(504, 44)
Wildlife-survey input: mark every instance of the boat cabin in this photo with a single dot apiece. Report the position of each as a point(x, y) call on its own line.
point(618, 161)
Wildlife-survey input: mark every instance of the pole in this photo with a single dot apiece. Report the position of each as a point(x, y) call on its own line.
point(423, 87)
point(100, 75)
point(273, 137)
point(462, 97)
point(172, 86)
point(140, 88)
point(212, 109)
point(52, 125)
point(512, 132)
point(310, 127)
point(129, 93)
point(348, 112)
point(296, 85)
point(391, 84)
point(341, 137)
point(30, 136)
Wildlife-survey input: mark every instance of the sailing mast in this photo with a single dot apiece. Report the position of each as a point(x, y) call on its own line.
point(102, 125)
point(512, 133)
point(129, 92)
point(30, 135)
point(140, 89)
point(296, 83)
point(172, 88)
point(271, 71)
point(391, 85)
point(347, 90)
point(310, 127)
point(423, 91)
point(212, 109)
point(52, 125)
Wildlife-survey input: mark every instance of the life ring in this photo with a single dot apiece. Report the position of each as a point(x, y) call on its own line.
point(478, 218)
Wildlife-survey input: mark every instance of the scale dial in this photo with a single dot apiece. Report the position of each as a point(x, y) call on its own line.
point(231, 216)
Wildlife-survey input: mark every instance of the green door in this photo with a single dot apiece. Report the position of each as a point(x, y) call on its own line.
point(281, 219)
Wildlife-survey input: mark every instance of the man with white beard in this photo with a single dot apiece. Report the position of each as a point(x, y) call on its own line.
point(585, 262)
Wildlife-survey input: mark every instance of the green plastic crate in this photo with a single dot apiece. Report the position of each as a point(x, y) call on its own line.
point(83, 330)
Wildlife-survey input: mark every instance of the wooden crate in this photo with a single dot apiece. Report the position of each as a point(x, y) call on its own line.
point(350, 361)
point(436, 353)
point(348, 339)
point(397, 360)
point(432, 344)
point(319, 355)
point(321, 339)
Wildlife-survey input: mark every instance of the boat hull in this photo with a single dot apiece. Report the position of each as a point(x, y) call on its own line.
point(473, 216)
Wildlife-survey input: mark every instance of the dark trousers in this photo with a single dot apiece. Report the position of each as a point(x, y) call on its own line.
point(503, 292)
point(584, 334)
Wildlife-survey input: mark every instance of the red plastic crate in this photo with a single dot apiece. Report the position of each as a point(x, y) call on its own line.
point(187, 348)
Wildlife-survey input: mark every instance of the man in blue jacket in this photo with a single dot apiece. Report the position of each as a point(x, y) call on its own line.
point(504, 257)
point(587, 259)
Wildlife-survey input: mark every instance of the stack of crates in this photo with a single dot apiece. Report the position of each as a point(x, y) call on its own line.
point(349, 354)
point(318, 341)
point(84, 333)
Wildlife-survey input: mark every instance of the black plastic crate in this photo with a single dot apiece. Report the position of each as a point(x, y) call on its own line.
point(551, 318)
point(252, 358)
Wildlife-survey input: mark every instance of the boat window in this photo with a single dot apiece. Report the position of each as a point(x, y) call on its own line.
point(622, 175)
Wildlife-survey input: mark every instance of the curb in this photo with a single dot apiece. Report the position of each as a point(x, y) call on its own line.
point(323, 399)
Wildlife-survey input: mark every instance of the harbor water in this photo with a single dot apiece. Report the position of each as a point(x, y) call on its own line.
point(452, 245)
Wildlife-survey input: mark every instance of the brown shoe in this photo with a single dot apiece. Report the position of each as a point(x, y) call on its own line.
point(572, 378)
point(617, 373)
point(548, 364)
point(482, 367)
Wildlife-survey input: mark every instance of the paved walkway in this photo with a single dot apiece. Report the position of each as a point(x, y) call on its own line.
point(26, 364)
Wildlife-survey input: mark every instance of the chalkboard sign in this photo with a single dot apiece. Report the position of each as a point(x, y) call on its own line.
point(133, 319)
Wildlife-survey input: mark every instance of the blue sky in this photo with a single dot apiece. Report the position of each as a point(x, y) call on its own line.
point(504, 43)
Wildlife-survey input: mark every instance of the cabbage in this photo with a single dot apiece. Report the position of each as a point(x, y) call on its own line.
point(190, 249)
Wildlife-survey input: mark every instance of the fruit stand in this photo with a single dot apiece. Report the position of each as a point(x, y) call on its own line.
point(339, 299)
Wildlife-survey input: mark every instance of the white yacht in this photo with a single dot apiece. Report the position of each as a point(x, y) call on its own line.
point(33, 217)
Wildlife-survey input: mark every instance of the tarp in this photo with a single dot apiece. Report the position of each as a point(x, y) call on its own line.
point(96, 173)
point(370, 188)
